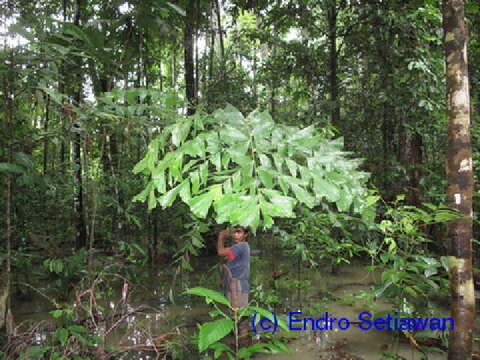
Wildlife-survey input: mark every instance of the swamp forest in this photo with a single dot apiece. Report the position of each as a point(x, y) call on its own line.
point(239, 179)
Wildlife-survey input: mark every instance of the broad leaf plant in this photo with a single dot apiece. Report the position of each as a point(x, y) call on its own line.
point(249, 170)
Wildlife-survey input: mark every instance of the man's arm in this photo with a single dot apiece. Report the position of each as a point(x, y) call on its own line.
point(221, 249)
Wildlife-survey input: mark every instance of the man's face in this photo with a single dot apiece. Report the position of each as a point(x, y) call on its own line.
point(239, 235)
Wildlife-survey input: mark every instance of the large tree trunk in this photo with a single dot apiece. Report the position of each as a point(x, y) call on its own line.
point(188, 55)
point(460, 181)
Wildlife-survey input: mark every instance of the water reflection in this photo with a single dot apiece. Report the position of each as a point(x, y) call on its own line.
point(162, 317)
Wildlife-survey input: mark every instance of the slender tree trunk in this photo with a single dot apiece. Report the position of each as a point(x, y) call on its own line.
point(114, 161)
point(45, 140)
point(188, 56)
point(272, 98)
point(220, 35)
point(460, 181)
point(5, 272)
point(197, 37)
point(212, 49)
point(81, 234)
point(332, 40)
point(174, 69)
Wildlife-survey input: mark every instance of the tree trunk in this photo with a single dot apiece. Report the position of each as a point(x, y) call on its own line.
point(220, 35)
point(197, 36)
point(188, 56)
point(45, 140)
point(5, 272)
point(460, 181)
point(81, 234)
point(332, 39)
point(212, 49)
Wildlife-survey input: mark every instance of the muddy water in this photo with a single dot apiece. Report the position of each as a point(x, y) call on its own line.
point(184, 314)
point(353, 343)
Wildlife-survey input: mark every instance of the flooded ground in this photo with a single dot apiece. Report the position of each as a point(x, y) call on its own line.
point(315, 291)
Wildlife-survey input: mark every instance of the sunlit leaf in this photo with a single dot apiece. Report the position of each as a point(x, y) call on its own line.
point(201, 204)
point(213, 331)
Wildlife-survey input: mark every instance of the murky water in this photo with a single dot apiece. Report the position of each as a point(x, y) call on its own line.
point(182, 316)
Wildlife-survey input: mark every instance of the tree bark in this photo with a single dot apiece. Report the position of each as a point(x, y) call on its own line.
point(332, 39)
point(45, 141)
point(188, 57)
point(460, 181)
point(5, 272)
point(220, 35)
point(81, 233)
point(197, 36)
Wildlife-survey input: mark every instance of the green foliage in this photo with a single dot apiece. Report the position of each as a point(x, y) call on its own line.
point(210, 333)
point(65, 272)
point(213, 331)
point(410, 276)
point(68, 339)
point(248, 171)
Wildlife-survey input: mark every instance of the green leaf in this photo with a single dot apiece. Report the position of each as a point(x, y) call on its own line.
point(239, 158)
point(282, 180)
point(152, 200)
point(232, 135)
point(227, 186)
point(195, 180)
point(267, 220)
point(36, 352)
point(62, 335)
point(345, 200)
point(303, 195)
point(265, 161)
point(167, 199)
point(226, 206)
point(262, 123)
point(158, 179)
point(273, 210)
point(213, 331)
point(219, 349)
point(292, 167)
point(285, 202)
point(195, 147)
point(278, 160)
point(185, 191)
point(216, 160)
point(230, 115)
point(324, 188)
point(180, 132)
point(266, 176)
point(201, 204)
point(209, 294)
point(277, 347)
point(216, 191)
point(225, 160)
point(175, 166)
point(248, 215)
point(143, 195)
point(204, 173)
point(56, 313)
point(213, 142)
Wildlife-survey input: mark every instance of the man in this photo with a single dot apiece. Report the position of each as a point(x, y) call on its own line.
point(237, 269)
